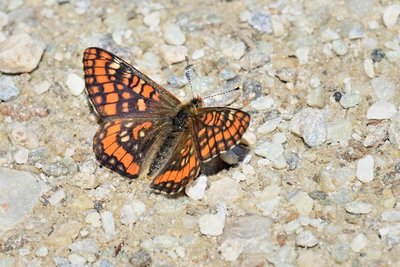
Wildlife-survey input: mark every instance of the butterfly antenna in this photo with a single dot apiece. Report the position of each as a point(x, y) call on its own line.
point(187, 74)
point(231, 90)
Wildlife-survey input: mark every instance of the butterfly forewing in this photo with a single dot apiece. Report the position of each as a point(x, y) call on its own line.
point(122, 145)
point(116, 88)
point(217, 129)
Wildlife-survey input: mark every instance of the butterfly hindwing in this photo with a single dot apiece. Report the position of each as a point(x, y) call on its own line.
point(182, 167)
point(116, 88)
point(217, 129)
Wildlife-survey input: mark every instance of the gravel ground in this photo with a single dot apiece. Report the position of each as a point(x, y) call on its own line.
point(316, 183)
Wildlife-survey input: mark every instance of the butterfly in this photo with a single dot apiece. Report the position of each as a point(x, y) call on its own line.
point(147, 131)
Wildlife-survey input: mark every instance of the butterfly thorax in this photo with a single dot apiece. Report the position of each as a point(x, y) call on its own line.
point(181, 119)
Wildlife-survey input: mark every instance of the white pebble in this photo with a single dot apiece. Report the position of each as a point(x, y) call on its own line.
point(93, 218)
point(248, 169)
point(152, 20)
point(340, 47)
point(359, 243)
point(239, 176)
point(303, 203)
point(357, 207)
point(263, 103)
point(273, 152)
point(42, 87)
point(365, 169)
point(213, 224)
point(21, 156)
point(131, 212)
point(369, 68)
point(224, 190)
point(249, 137)
point(173, 34)
point(350, 100)
point(269, 126)
point(383, 88)
point(197, 54)
point(302, 55)
point(76, 259)
point(231, 249)
point(196, 189)
point(310, 125)
point(306, 239)
point(107, 221)
point(56, 197)
point(391, 216)
point(75, 84)
point(329, 35)
point(390, 15)
point(173, 54)
point(42, 251)
point(381, 110)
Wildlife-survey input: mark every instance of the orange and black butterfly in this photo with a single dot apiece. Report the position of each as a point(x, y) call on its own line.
point(146, 130)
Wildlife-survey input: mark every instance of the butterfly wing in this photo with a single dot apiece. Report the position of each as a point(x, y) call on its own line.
point(182, 168)
point(122, 145)
point(218, 129)
point(116, 88)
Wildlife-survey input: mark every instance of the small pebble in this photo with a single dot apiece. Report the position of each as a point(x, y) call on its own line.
point(42, 87)
point(93, 218)
point(173, 54)
point(359, 243)
point(269, 126)
point(340, 252)
point(391, 216)
point(197, 54)
point(340, 47)
point(21, 156)
point(263, 103)
point(229, 157)
point(152, 20)
point(303, 203)
point(329, 35)
point(196, 189)
point(377, 55)
point(56, 197)
point(310, 125)
point(224, 190)
point(76, 259)
point(339, 131)
point(85, 246)
point(8, 88)
point(81, 6)
point(350, 100)
point(231, 249)
point(302, 55)
point(239, 176)
point(365, 169)
point(75, 84)
point(213, 224)
point(383, 89)
point(261, 22)
point(21, 53)
point(357, 207)
point(381, 110)
point(369, 68)
point(337, 96)
point(316, 98)
point(273, 152)
point(173, 34)
point(232, 47)
point(108, 223)
point(42, 251)
point(131, 212)
point(390, 15)
point(306, 239)
point(141, 258)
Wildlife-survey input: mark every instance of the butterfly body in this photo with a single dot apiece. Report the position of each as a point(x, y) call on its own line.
point(147, 131)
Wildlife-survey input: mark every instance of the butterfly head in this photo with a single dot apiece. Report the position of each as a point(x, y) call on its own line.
point(197, 102)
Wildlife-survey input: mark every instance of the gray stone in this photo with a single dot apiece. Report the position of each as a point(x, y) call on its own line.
point(262, 22)
point(19, 193)
point(8, 88)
